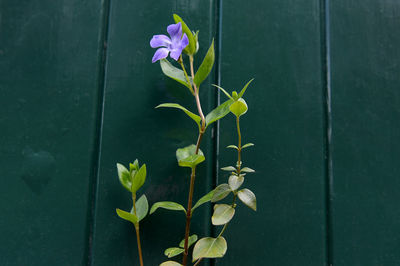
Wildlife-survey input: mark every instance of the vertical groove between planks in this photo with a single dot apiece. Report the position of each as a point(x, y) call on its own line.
point(216, 128)
point(96, 156)
point(326, 81)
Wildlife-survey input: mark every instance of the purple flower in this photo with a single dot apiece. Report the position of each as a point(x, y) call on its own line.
point(173, 45)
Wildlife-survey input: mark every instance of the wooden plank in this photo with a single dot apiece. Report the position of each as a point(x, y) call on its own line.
point(365, 37)
point(134, 129)
point(279, 44)
point(49, 65)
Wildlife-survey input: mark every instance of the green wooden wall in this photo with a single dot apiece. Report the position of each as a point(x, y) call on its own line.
point(78, 92)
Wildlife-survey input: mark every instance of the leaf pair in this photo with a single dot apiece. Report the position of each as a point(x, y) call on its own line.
point(216, 114)
point(142, 207)
point(131, 180)
point(187, 156)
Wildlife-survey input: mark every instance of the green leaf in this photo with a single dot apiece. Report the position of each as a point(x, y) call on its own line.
point(139, 178)
point(224, 91)
point(223, 213)
point(170, 263)
point(172, 252)
point(218, 113)
point(209, 247)
point(193, 116)
point(239, 107)
point(235, 181)
point(244, 88)
point(247, 145)
point(187, 156)
point(191, 47)
point(248, 198)
point(204, 199)
point(229, 169)
point(192, 240)
point(175, 73)
point(124, 176)
point(127, 216)
point(134, 166)
point(206, 66)
point(142, 207)
point(247, 170)
point(233, 147)
point(169, 205)
point(221, 192)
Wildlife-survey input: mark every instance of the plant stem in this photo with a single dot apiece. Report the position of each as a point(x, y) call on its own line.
point(138, 244)
point(239, 163)
point(193, 174)
point(197, 262)
point(180, 60)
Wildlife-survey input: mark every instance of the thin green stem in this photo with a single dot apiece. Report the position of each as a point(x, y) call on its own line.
point(239, 163)
point(226, 225)
point(180, 60)
point(197, 262)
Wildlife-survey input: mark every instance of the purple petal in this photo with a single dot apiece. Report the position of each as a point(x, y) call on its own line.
point(175, 31)
point(175, 53)
point(185, 41)
point(160, 54)
point(160, 40)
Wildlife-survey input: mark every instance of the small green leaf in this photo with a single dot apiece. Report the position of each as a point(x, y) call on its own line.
point(223, 213)
point(244, 88)
point(169, 205)
point(187, 156)
point(124, 176)
point(248, 198)
point(204, 199)
point(209, 247)
point(224, 91)
point(229, 169)
point(247, 170)
point(193, 116)
point(175, 73)
point(235, 181)
point(127, 216)
point(235, 96)
point(221, 192)
point(134, 166)
point(218, 113)
point(170, 263)
point(206, 66)
point(247, 145)
point(239, 107)
point(192, 240)
point(191, 47)
point(233, 147)
point(139, 178)
point(172, 252)
point(142, 207)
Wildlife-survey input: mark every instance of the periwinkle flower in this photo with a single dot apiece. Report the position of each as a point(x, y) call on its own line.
point(172, 46)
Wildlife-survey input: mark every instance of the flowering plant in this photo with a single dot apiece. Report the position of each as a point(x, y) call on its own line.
point(182, 44)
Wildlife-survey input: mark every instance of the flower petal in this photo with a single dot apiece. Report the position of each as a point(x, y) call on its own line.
point(160, 54)
point(175, 31)
point(175, 53)
point(160, 40)
point(185, 41)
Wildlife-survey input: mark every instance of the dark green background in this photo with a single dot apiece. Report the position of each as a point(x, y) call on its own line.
point(77, 95)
